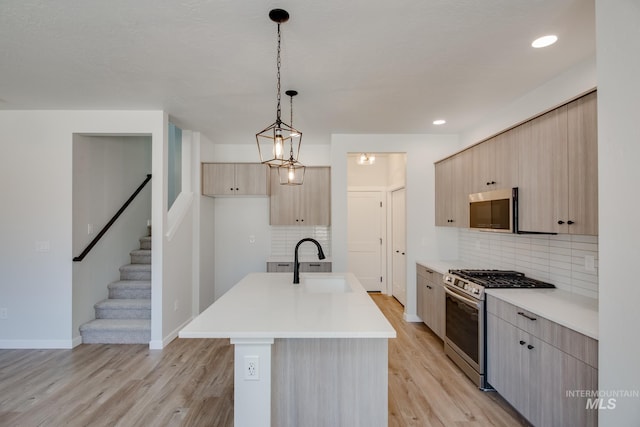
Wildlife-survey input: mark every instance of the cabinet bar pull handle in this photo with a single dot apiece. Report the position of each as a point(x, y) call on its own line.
point(570, 222)
point(530, 347)
point(314, 265)
point(284, 265)
point(429, 287)
point(528, 317)
point(522, 342)
point(560, 222)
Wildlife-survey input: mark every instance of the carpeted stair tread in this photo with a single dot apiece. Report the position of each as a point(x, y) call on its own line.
point(140, 256)
point(135, 272)
point(117, 325)
point(116, 331)
point(123, 309)
point(124, 303)
point(145, 242)
point(130, 289)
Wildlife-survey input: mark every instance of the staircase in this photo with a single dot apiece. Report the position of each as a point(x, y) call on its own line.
point(125, 318)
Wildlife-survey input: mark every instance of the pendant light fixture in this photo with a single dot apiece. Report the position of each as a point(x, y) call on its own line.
point(291, 171)
point(273, 140)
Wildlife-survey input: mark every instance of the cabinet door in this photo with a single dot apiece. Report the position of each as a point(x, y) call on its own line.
point(484, 167)
point(506, 160)
point(542, 177)
point(283, 203)
point(315, 197)
point(218, 179)
point(583, 165)
point(439, 314)
point(251, 179)
point(462, 165)
point(444, 193)
point(420, 291)
point(504, 361)
point(306, 204)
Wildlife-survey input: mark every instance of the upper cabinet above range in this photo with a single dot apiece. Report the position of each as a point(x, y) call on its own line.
point(495, 163)
point(552, 159)
point(235, 179)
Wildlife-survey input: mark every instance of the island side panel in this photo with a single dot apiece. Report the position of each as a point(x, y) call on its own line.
point(329, 382)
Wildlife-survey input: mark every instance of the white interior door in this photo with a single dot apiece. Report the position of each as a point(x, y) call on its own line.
point(398, 244)
point(365, 226)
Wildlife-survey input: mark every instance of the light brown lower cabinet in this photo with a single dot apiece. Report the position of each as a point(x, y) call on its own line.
point(430, 299)
point(541, 368)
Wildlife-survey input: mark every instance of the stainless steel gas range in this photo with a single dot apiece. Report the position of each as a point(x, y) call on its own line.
point(465, 325)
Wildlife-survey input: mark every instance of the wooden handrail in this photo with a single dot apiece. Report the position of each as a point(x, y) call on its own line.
point(111, 221)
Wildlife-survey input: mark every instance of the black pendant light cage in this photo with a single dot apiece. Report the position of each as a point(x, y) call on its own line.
point(279, 143)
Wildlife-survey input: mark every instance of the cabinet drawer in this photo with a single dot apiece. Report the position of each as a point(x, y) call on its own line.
point(569, 341)
point(280, 267)
point(305, 267)
point(427, 273)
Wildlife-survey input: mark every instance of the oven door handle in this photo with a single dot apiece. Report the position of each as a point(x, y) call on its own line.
point(465, 300)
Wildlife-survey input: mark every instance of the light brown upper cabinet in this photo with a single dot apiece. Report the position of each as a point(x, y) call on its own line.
point(452, 190)
point(306, 204)
point(582, 119)
point(558, 172)
point(235, 179)
point(495, 163)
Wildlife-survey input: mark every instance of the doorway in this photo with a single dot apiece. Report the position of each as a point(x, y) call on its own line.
point(399, 245)
point(370, 186)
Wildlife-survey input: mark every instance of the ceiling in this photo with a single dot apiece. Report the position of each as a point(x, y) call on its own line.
point(360, 66)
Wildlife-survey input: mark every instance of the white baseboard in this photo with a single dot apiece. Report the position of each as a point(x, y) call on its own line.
point(160, 344)
point(411, 318)
point(36, 344)
point(77, 341)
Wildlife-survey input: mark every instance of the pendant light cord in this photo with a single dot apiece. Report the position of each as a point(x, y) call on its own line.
point(278, 78)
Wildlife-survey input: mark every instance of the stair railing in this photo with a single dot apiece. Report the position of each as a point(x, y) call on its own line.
point(112, 220)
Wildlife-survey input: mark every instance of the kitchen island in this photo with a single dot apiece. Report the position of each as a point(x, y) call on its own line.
point(308, 354)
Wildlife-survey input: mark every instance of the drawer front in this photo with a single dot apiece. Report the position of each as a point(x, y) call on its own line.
point(427, 273)
point(279, 267)
point(315, 267)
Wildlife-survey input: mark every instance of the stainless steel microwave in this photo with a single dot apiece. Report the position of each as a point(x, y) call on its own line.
point(493, 210)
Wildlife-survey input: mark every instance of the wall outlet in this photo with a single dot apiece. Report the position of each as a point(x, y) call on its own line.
point(4, 314)
point(252, 368)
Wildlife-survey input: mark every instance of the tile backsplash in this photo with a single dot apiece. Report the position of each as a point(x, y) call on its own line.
point(284, 240)
point(568, 261)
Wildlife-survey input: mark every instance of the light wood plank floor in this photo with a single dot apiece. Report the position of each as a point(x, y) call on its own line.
point(190, 383)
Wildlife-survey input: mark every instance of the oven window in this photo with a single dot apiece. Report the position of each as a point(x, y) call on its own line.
point(462, 327)
point(500, 214)
point(480, 214)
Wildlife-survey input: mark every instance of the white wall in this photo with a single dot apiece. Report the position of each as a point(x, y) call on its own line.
point(618, 42)
point(575, 81)
point(424, 240)
point(106, 171)
point(36, 171)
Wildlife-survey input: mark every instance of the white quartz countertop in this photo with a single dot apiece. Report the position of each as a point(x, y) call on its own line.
point(573, 311)
point(443, 266)
point(269, 305)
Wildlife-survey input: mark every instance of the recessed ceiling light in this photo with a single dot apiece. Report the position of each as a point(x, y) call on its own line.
point(439, 122)
point(544, 41)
